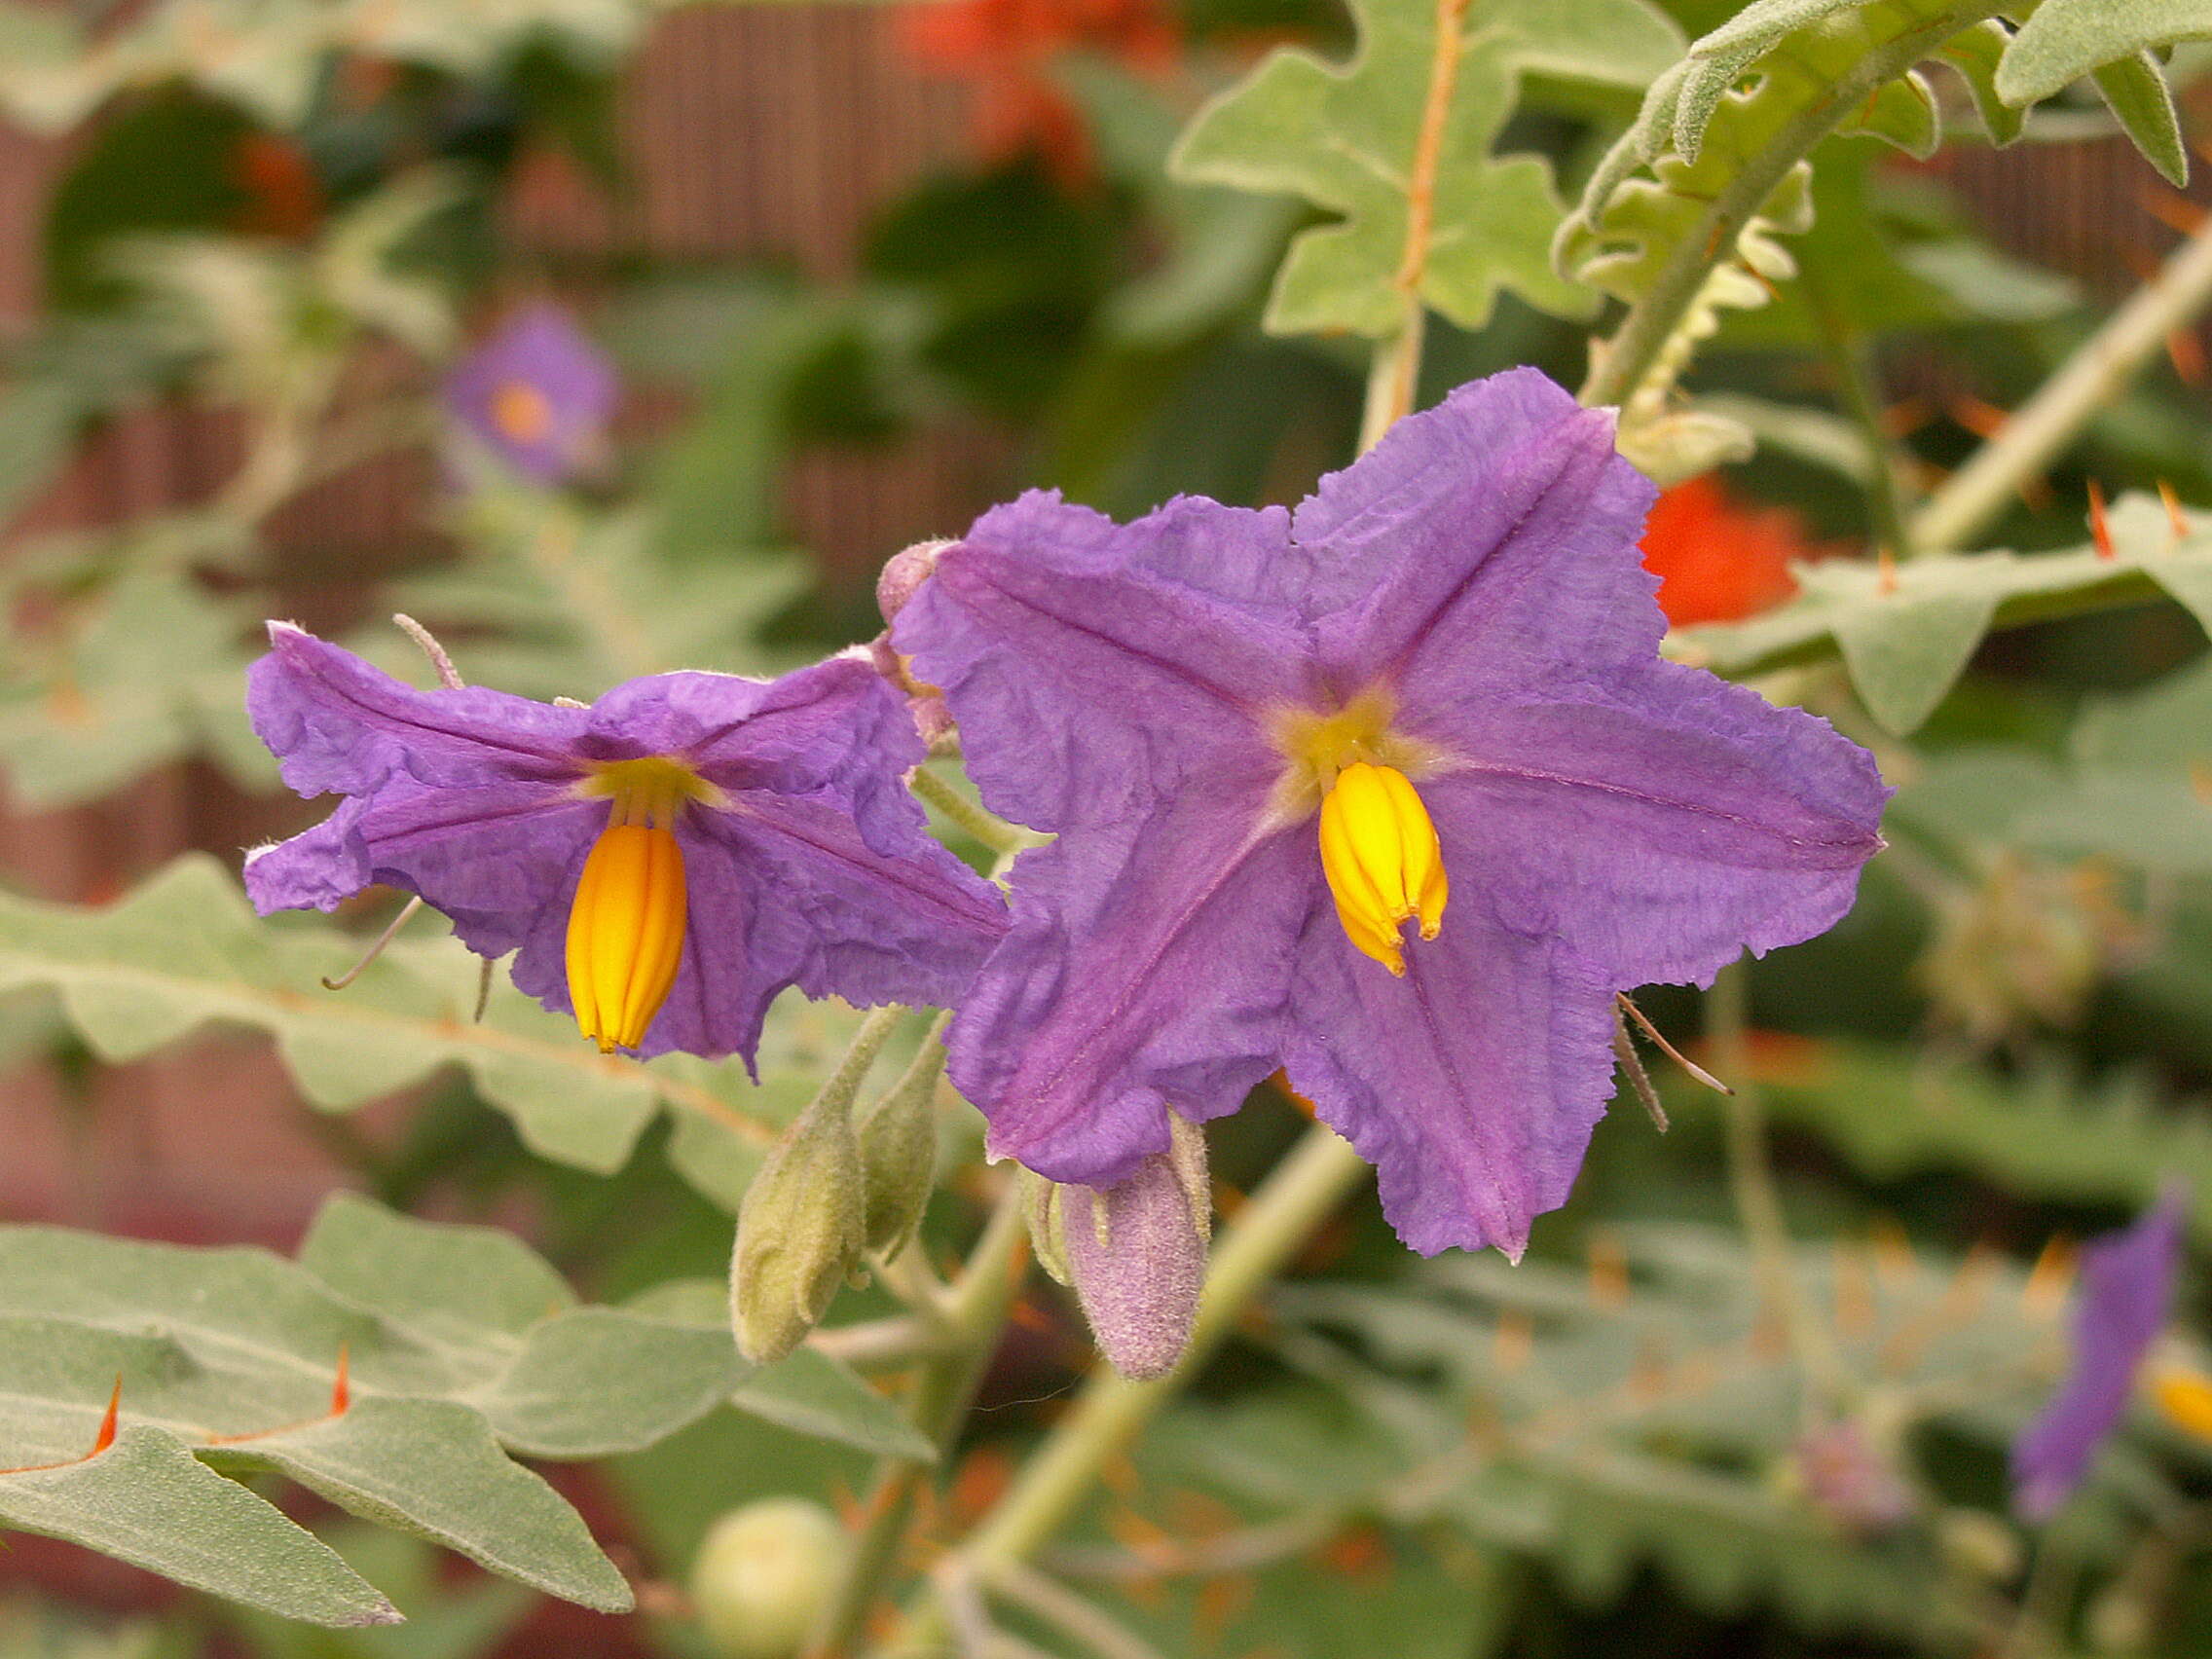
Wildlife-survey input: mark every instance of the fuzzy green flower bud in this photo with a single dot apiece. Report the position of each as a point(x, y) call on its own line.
point(1137, 1252)
point(764, 1574)
point(898, 1147)
point(800, 1230)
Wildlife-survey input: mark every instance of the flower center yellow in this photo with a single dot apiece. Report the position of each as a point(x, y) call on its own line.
point(2184, 1398)
point(522, 413)
point(1379, 847)
point(626, 923)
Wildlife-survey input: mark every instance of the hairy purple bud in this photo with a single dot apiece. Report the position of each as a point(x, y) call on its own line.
point(904, 574)
point(1137, 1252)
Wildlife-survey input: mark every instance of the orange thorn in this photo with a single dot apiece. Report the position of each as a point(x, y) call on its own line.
point(341, 1386)
point(1513, 1342)
point(1885, 572)
point(2172, 210)
point(1608, 1271)
point(1982, 419)
point(1903, 419)
point(2174, 516)
point(2052, 1275)
point(2186, 351)
point(2100, 532)
point(106, 1436)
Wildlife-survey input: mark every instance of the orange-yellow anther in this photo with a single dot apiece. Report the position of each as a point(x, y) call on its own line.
point(1384, 864)
point(523, 414)
point(2184, 1398)
point(626, 923)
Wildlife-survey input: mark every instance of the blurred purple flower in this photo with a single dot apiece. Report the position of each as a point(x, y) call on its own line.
point(537, 394)
point(2128, 1292)
point(664, 861)
point(1264, 739)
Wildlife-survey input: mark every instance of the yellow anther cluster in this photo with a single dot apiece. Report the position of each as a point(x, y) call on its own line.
point(626, 925)
point(1384, 864)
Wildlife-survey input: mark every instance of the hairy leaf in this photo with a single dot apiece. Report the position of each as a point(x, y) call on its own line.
point(1398, 145)
point(455, 1344)
point(2064, 40)
point(185, 950)
point(1905, 635)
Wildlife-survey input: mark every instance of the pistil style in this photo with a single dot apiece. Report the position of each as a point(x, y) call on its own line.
point(1382, 860)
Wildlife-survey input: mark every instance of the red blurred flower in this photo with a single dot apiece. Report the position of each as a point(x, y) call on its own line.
point(1718, 558)
point(283, 196)
point(1005, 50)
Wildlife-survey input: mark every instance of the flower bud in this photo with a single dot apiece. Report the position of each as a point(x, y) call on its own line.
point(898, 1143)
point(1846, 1477)
point(799, 1231)
point(1137, 1253)
point(903, 575)
point(764, 1574)
point(1040, 1209)
point(1977, 1545)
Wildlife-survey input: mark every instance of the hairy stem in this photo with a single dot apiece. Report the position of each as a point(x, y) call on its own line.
point(1638, 344)
point(1973, 496)
point(986, 826)
point(973, 1316)
point(1394, 379)
point(1303, 1190)
point(1751, 1178)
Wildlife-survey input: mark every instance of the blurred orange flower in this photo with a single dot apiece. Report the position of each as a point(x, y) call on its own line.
point(1005, 50)
point(1718, 558)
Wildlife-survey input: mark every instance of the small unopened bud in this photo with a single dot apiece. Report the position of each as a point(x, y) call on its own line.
point(1978, 1546)
point(898, 1143)
point(1040, 1209)
point(903, 575)
point(1847, 1478)
point(764, 1574)
point(1137, 1252)
point(799, 1231)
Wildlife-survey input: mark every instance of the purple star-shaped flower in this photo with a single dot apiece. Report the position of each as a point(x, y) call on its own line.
point(678, 853)
point(2127, 1293)
point(1268, 741)
point(537, 394)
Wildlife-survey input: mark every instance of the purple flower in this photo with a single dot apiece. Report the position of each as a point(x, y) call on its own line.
point(2127, 1290)
point(1267, 738)
point(664, 861)
point(537, 394)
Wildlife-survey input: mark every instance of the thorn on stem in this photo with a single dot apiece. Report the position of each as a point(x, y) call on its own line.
point(342, 1384)
point(1885, 572)
point(106, 1435)
point(2175, 518)
point(2100, 531)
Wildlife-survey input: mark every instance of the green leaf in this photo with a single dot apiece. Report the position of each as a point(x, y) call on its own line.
point(813, 1394)
point(185, 950)
point(1975, 55)
point(147, 1500)
point(1398, 145)
point(2064, 40)
point(2135, 92)
point(1906, 635)
point(1903, 114)
point(456, 1342)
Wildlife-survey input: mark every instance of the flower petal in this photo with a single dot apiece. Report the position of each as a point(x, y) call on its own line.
point(1471, 1085)
point(1095, 667)
point(1149, 967)
point(341, 727)
point(1659, 822)
point(2127, 1294)
point(492, 857)
point(1486, 542)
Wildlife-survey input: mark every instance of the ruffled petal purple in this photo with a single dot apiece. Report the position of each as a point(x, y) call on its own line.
point(340, 725)
point(1661, 820)
point(1472, 1084)
point(2127, 1296)
point(1136, 980)
point(1098, 667)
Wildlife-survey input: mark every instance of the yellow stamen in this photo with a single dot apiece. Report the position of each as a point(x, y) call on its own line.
point(2184, 1398)
point(1383, 861)
point(522, 413)
point(626, 923)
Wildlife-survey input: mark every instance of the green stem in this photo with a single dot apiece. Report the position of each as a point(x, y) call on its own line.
point(1850, 366)
point(1394, 379)
point(1303, 1190)
point(973, 1316)
point(1638, 344)
point(1758, 1203)
point(986, 826)
point(1973, 496)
